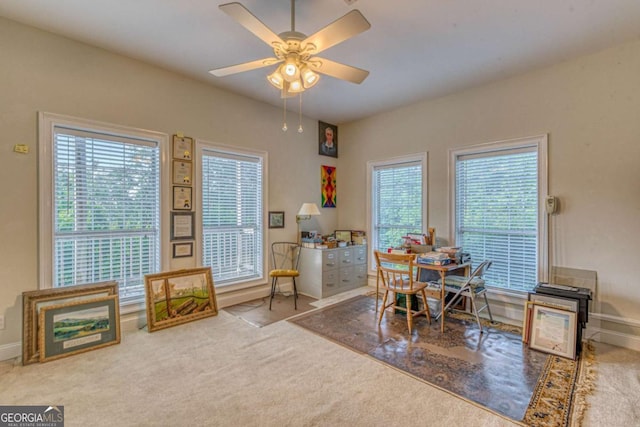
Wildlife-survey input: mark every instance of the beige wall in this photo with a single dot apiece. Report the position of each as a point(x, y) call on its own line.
point(590, 109)
point(43, 72)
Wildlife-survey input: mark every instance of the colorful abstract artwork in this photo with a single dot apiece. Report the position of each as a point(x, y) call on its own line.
point(328, 182)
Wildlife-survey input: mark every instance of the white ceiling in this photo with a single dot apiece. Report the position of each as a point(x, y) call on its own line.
point(415, 49)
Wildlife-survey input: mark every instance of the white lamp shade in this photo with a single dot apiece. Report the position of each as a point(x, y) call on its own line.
point(310, 209)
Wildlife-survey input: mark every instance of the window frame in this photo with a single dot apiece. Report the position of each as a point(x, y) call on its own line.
point(372, 165)
point(540, 144)
point(46, 124)
point(202, 146)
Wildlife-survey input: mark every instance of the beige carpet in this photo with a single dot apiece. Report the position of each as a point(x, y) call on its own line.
point(221, 371)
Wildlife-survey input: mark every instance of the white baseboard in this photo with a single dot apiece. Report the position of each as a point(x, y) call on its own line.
point(10, 351)
point(619, 339)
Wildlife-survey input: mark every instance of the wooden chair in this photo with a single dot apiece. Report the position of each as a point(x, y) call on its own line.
point(471, 287)
point(430, 242)
point(285, 257)
point(397, 273)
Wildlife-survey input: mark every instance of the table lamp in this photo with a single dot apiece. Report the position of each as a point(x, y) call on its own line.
point(307, 210)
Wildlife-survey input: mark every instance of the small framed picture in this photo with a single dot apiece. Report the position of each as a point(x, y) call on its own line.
point(182, 225)
point(344, 235)
point(183, 250)
point(182, 172)
point(182, 198)
point(182, 147)
point(276, 219)
point(553, 331)
point(78, 326)
point(327, 139)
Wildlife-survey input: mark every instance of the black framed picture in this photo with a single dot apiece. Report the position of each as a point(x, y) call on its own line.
point(327, 139)
point(182, 225)
point(276, 219)
point(183, 250)
point(182, 198)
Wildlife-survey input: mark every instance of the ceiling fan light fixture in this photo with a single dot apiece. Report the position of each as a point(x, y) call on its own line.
point(296, 86)
point(276, 79)
point(290, 70)
point(299, 68)
point(309, 78)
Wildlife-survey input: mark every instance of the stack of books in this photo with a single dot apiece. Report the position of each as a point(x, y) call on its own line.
point(434, 258)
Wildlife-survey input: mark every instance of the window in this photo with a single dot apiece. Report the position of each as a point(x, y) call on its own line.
point(100, 193)
point(497, 216)
point(397, 199)
point(232, 214)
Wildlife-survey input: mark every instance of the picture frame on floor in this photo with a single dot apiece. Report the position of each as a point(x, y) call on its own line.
point(78, 326)
point(177, 297)
point(34, 301)
point(553, 331)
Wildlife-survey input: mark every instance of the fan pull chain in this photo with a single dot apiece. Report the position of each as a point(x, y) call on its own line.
point(284, 113)
point(300, 130)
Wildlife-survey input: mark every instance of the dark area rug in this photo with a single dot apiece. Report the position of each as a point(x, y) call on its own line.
point(493, 369)
point(257, 312)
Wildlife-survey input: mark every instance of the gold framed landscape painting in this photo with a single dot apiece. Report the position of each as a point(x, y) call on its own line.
point(34, 301)
point(78, 326)
point(177, 297)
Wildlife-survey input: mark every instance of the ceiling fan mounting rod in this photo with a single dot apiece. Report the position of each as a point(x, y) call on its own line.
point(293, 15)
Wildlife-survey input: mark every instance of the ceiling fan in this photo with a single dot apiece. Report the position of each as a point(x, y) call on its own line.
point(296, 51)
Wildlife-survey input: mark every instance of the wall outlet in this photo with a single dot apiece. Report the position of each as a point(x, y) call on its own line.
point(1, 321)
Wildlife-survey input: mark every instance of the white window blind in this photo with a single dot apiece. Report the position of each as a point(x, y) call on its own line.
point(396, 202)
point(106, 209)
point(232, 229)
point(496, 214)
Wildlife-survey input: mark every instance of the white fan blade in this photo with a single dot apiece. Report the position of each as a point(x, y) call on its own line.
point(248, 20)
point(247, 66)
point(349, 25)
point(338, 70)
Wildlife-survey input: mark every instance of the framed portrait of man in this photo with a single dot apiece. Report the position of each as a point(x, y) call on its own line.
point(327, 139)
